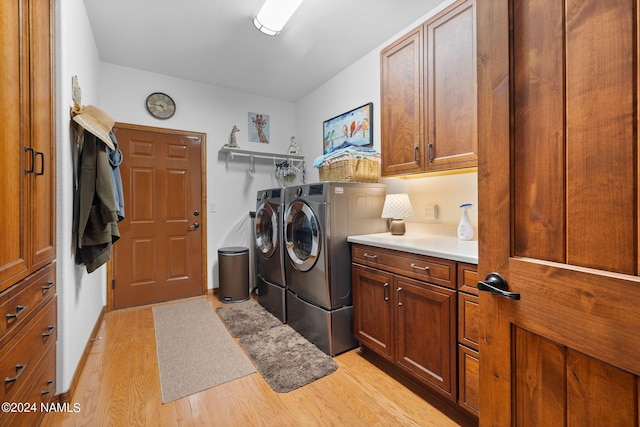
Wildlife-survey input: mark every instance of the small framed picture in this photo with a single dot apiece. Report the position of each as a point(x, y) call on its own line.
point(258, 128)
point(351, 128)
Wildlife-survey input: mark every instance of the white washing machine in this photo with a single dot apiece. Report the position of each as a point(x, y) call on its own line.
point(317, 220)
point(269, 258)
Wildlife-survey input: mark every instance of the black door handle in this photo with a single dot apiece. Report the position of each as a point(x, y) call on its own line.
point(496, 284)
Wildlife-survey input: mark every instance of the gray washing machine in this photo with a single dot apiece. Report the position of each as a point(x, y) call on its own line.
point(317, 220)
point(269, 254)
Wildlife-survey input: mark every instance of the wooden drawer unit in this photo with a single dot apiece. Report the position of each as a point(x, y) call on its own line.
point(468, 278)
point(469, 379)
point(19, 303)
point(468, 338)
point(40, 390)
point(433, 270)
point(468, 320)
point(20, 357)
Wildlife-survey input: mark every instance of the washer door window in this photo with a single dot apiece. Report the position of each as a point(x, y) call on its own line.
point(266, 230)
point(302, 235)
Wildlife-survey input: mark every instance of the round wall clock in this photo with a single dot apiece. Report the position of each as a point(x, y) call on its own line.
point(160, 105)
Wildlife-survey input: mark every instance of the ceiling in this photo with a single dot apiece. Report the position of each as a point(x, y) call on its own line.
point(215, 42)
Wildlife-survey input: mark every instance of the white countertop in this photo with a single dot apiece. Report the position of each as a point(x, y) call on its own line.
point(423, 243)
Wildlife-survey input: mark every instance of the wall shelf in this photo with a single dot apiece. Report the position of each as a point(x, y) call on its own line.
point(231, 153)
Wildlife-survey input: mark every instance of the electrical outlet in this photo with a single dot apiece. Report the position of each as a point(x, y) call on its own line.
point(431, 212)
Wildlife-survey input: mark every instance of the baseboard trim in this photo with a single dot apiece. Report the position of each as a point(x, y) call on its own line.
point(66, 396)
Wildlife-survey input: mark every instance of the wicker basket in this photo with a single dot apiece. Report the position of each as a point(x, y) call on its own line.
point(351, 170)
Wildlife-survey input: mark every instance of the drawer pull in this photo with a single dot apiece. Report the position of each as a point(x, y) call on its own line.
point(420, 268)
point(399, 302)
point(19, 310)
point(48, 286)
point(19, 371)
point(370, 256)
point(385, 287)
point(49, 331)
point(49, 388)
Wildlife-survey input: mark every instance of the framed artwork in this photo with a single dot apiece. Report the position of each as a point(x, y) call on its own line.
point(354, 127)
point(258, 128)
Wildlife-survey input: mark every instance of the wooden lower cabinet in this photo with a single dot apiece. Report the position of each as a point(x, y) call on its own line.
point(409, 322)
point(427, 331)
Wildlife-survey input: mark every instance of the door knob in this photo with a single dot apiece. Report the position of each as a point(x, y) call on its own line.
point(496, 284)
point(194, 226)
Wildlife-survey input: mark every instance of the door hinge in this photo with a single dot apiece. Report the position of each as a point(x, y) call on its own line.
point(113, 283)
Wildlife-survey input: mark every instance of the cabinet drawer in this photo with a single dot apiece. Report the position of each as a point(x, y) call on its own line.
point(469, 379)
point(19, 303)
point(468, 278)
point(434, 270)
point(19, 357)
point(41, 389)
point(468, 320)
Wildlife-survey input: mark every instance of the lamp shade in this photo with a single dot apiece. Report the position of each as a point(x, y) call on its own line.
point(397, 206)
point(274, 14)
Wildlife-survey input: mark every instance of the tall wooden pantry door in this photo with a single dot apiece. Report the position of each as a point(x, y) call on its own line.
point(558, 195)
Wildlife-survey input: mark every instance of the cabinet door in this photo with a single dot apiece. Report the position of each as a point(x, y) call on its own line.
point(373, 309)
point(13, 159)
point(43, 195)
point(426, 333)
point(451, 89)
point(402, 106)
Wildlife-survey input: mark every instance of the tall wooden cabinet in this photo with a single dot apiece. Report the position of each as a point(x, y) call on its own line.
point(429, 95)
point(28, 200)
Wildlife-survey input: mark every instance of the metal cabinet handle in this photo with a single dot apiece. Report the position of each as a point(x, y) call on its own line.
point(419, 267)
point(399, 302)
point(430, 152)
point(416, 151)
point(50, 331)
point(370, 256)
point(33, 160)
point(41, 154)
point(194, 226)
point(50, 384)
point(48, 286)
point(19, 371)
point(496, 284)
point(385, 287)
point(19, 310)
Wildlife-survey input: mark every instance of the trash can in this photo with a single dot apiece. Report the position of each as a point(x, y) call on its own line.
point(233, 277)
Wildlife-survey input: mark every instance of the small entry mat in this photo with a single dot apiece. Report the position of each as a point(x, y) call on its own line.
point(195, 351)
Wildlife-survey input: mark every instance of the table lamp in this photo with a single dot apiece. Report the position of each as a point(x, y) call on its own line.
point(397, 207)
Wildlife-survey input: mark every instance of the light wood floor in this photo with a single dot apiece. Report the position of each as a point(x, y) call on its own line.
point(119, 386)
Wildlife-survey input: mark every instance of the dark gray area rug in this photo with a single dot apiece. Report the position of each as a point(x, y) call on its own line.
point(195, 351)
point(244, 318)
point(286, 359)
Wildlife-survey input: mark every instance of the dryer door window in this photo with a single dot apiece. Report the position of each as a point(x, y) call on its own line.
point(302, 235)
point(266, 230)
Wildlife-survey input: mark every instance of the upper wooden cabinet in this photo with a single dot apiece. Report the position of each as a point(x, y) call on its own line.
point(27, 153)
point(428, 95)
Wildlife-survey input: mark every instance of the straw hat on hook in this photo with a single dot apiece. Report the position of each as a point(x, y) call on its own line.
point(94, 120)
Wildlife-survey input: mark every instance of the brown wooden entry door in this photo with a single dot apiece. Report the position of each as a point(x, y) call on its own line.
point(160, 253)
point(558, 195)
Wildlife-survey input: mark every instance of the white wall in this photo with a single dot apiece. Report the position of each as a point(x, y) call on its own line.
point(358, 85)
point(231, 193)
point(81, 296)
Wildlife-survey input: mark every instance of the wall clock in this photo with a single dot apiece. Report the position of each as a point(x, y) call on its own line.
point(160, 105)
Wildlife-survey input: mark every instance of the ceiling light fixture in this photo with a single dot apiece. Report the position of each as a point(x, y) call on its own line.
point(274, 14)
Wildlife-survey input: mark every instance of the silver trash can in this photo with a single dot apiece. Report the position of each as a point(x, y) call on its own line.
point(233, 262)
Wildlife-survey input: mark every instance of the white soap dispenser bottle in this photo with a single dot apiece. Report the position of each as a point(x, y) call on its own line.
point(465, 230)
